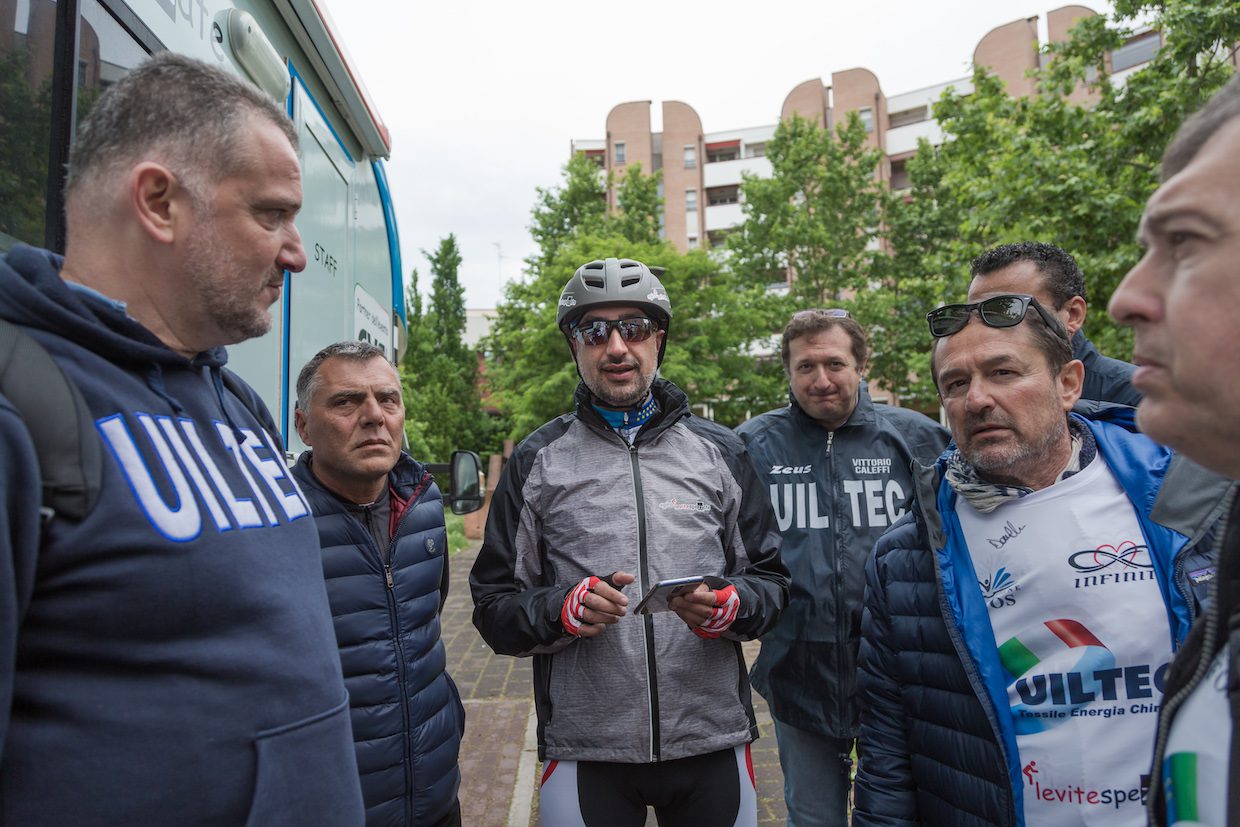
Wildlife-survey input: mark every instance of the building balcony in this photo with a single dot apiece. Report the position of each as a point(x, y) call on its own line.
point(903, 139)
point(723, 217)
point(723, 173)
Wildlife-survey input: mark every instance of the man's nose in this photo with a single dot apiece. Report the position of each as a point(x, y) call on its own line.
point(370, 410)
point(1135, 300)
point(978, 398)
point(615, 343)
point(292, 255)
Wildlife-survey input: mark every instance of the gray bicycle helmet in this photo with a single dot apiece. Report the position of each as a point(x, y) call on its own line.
point(609, 282)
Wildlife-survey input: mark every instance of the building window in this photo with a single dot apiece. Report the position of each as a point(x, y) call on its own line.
point(715, 156)
point(908, 116)
point(1135, 52)
point(899, 175)
point(693, 242)
point(618, 152)
point(755, 150)
point(690, 200)
point(690, 157)
point(867, 118)
point(717, 196)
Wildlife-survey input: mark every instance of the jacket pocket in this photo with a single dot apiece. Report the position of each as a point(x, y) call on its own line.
point(307, 773)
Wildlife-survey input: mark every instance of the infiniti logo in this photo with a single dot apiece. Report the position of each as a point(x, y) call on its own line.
point(1128, 555)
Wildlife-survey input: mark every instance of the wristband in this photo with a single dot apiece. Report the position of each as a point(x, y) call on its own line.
point(573, 609)
point(727, 604)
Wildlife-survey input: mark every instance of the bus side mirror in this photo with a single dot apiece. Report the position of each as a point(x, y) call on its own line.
point(466, 489)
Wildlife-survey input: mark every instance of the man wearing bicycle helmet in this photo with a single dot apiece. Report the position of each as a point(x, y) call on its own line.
point(593, 509)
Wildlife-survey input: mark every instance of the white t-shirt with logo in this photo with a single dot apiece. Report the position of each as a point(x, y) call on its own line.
point(1198, 747)
point(1082, 633)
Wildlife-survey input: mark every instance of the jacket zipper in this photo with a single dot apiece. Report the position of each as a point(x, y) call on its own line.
point(401, 671)
point(643, 565)
point(841, 668)
point(1170, 705)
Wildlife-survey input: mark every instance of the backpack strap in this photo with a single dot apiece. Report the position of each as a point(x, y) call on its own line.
point(63, 431)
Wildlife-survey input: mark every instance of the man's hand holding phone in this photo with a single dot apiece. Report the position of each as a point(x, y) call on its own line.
point(708, 612)
point(595, 603)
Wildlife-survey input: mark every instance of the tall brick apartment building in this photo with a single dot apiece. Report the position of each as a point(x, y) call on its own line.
point(702, 170)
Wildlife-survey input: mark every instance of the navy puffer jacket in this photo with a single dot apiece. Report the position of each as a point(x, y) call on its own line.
point(938, 745)
point(407, 714)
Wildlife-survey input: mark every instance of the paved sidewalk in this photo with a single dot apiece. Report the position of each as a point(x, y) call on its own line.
point(499, 757)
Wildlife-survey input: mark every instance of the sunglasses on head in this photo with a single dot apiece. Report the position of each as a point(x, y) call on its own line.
point(597, 332)
point(997, 311)
point(831, 312)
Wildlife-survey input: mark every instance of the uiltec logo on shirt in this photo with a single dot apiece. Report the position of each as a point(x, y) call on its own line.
point(1092, 686)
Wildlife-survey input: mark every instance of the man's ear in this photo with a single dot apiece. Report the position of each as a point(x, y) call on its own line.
point(299, 422)
point(1071, 380)
point(1073, 314)
point(158, 199)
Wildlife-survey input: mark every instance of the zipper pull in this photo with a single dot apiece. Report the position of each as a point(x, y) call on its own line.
point(830, 437)
point(387, 572)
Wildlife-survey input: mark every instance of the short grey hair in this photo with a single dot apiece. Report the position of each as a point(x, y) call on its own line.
point(1219, 110)
point(175, 110)
point(308, 380)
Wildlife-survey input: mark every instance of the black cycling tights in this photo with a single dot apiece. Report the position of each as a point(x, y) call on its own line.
point(713, 790)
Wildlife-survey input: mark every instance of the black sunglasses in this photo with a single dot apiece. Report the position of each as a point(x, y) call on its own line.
point(597, 332)
point(997, 311)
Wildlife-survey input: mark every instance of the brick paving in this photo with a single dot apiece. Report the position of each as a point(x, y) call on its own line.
point(499, 773)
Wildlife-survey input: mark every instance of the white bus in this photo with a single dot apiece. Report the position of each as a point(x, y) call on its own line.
point(55, 58)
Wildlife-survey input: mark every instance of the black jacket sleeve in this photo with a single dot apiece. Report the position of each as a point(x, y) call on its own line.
point(762, 583)
point(512, 618)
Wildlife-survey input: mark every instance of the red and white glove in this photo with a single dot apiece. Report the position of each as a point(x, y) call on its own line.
point(573, 609)
point(727, 604)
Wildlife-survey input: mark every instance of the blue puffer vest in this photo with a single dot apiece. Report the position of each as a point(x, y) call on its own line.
point(407, 714)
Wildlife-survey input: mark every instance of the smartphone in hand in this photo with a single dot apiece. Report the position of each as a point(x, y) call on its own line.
point(663, 591)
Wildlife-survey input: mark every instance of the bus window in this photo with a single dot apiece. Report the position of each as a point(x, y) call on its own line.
point(27, 41)
point(105, 52)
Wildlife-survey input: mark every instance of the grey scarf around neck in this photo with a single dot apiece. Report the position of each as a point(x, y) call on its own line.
point(985, 496)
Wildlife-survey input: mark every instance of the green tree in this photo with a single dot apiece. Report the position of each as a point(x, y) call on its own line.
point(1074, 174)
point(919, 229)
point(531, 372)
point(443, 410)
point(816, 216)
point(579, 204)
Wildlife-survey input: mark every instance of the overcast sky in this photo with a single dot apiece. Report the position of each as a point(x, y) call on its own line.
point(482, 97)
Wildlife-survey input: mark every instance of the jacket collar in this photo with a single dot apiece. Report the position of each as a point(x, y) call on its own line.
point(673, 404)
point(407, 478)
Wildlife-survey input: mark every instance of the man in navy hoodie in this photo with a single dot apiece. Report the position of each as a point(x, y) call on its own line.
point(169, 658)
point(385, 557)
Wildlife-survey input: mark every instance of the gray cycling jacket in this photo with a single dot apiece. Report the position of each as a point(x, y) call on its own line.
point(576, 500)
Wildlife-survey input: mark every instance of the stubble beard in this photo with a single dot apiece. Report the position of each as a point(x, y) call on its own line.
point(611, 397)
point(1009, 463)
point(229, 301)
